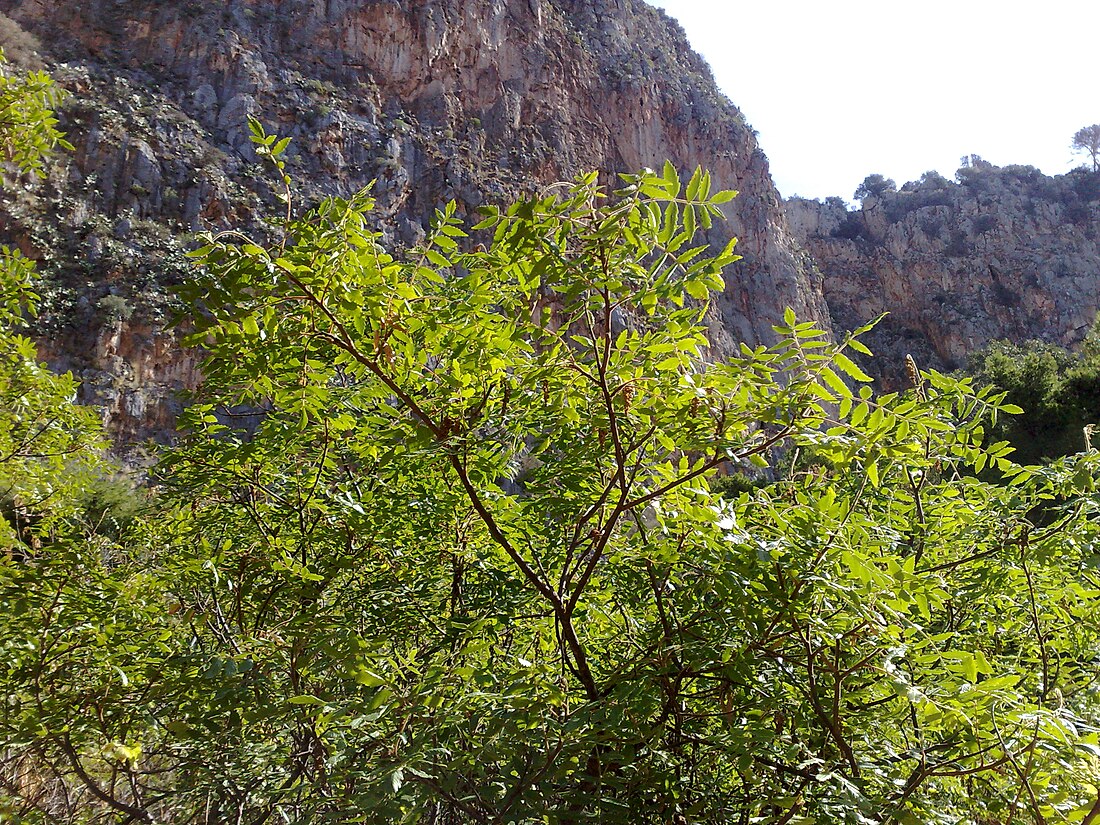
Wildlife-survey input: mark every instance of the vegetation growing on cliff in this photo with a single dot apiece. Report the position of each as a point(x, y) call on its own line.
point(440, 546)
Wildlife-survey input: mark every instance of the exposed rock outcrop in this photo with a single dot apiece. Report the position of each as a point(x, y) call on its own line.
point(472, 100)
point(1002, 253)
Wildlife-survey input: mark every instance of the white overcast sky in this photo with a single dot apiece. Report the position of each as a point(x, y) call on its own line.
point(839, 89)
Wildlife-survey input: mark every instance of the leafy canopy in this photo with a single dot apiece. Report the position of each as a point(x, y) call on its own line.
point(440, 546)
point(45, 439)
point(1059, 391)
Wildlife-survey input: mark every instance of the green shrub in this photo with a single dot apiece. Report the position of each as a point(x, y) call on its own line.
point(115, 308)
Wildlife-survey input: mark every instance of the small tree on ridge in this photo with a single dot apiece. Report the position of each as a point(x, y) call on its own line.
point(1087, 139)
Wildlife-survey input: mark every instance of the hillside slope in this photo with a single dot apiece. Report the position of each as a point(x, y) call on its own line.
point(1000, 253)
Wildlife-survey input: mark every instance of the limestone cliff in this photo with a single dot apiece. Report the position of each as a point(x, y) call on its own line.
point(475, 100)
point(1001, 253)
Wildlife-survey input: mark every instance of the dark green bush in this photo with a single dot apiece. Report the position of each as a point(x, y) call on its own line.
point(1058, 390)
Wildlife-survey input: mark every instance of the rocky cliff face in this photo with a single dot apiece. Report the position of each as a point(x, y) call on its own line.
point(472, 100)
point(1002, 253)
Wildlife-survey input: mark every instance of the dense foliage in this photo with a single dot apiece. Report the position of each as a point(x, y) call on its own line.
point(439, 546)
point(48, 445)
point(1058, 390)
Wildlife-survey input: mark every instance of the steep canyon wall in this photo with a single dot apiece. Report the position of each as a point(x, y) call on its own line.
point(999, 253)
point(473, 100)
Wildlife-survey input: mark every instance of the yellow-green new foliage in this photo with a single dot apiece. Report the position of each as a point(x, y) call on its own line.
point(28, 126)
point(46, 440)
point(439, 546)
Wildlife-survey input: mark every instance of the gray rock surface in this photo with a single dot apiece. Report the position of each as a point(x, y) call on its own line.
point(1002, 253)
point(473, 100)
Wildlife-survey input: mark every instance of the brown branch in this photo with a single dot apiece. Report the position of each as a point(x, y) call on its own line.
point(345, 342)
point(118, 805)
point(1094, 812)
point(1039, 637)
point(831, 724)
